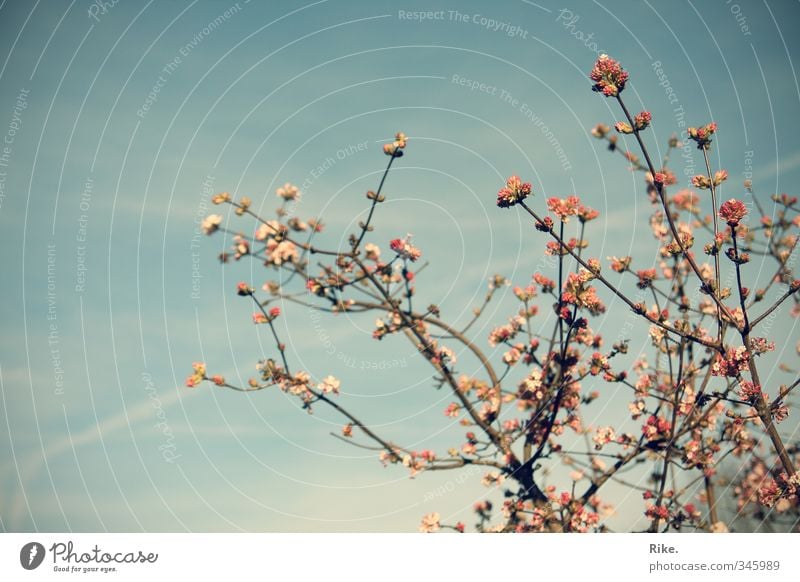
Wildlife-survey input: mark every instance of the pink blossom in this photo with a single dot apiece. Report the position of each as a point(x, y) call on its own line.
point(642, 120)
point(656, 428)
point(585, 214)
point(608, 76)
point(492, 478)
point(735, 361)
point(211, 223)
point(452, 410)
point(430, 523)
point(404, 248)
point(761, 345)
point(329, 385)
point(619, 264)
point(564, 208)
point(281, 252)
point(701, 181)
point(288, 192)
point(512, 356)
point(623, 127)
point(646, 277)
point(657, 512)
point(732, 212)
point(372, 251)
point(702, 135)
point(604, 436)
point(197, 376)
point(515, 191)
point(244, 289)
point(270, 229)
point(748, 391)
point(395, 148)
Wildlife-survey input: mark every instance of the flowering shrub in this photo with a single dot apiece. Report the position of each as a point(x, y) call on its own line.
point(700, 399)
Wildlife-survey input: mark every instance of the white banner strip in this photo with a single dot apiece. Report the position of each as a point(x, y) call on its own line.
point(399, 557)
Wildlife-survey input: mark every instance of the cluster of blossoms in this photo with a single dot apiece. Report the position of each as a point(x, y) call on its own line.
point(576, 516)
point(515, 191)
point(431, 522)
point(329, 385)
point(686, 200)
point(197, 376)
point(598, 363)
point(395, 148)
point(531, 390)
point(579, 293)
point(640, 122)
point(564, 208)
point(585, 214)
point(657, 512)
point(662, 178)
point(705, 183)
point(734, 362)
point(748, 391)
point(646, 278)
point(760, 488)
point(404, 248)
point(505, 333)
point(493, 478)
point(278, 248)
point(656, 428)
point(603, 436)
point(288, 192)
point(372, 252)
point(732, 212)
point(442, 355)
point(608, 76)
point(601, 130)
point(620, 264)
point(260, 317)
point(761, 345)
point(392, 324)
point(210, 223)
point(695, 454)
point(702, 135)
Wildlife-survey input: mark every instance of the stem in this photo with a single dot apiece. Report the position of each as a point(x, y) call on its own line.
point(660, 190)
point(716, 233)
point(792, 290)
point(667, 453)
point(764, 412)
point(375, 200)
point(746, 326)
point(711, 499)
point(560, 288)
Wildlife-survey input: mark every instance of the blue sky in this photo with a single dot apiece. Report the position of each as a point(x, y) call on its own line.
point(116, 121)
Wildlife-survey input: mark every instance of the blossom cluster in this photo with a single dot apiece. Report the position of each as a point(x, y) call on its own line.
point(514, 192)
point(608, 76)
point(404, 248)
point(702, 135)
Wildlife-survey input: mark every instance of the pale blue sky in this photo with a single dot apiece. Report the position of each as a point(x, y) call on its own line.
point(263, 97)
